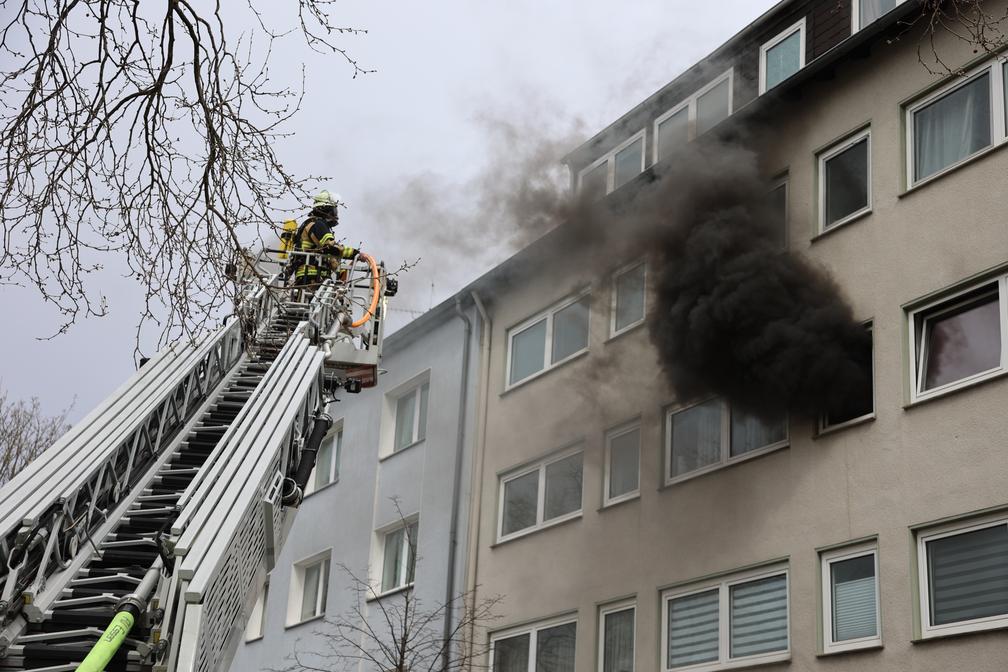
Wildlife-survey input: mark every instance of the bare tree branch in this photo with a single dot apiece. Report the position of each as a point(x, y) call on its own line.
point(967, 21)
point(25, 431)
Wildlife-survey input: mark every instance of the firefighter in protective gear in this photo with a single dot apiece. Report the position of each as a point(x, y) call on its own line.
point(315, 236)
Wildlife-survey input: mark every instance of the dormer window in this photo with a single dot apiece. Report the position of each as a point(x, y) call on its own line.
point(694, 116)
point(782, 56)
point(615, 169)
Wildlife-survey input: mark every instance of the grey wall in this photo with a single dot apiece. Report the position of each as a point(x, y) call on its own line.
point(345, 515)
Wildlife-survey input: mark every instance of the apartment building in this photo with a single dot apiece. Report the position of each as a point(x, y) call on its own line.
point(627, 529)
point(387, 502)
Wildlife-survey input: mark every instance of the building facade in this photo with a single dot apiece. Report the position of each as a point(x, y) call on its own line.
point(630, 530)
point(387, 503)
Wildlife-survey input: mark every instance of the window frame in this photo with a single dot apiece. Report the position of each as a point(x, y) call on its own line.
point(951, 529)
point(617, 274)
point(415, 432)
point(726, 457)
point(540, 467)
point(407, 558)
point(609, 158)
point(295, 597)
point(532, 629)
point(856, 15)
point(832, 152)
point(615, 433)
point(826, 560)
point(335, 433)
point(723, 584)
point(548, 314)
point(690, 102)
point(257, 615)
point(773, 42)
point(941, 306)
point(614, 608)
point(784, 182)
point(821, 425)
point(999, 123)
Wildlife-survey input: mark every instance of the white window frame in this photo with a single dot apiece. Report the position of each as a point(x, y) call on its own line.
point(548, 315)
point(830, 153)
point(822, 426)
point(690, 102)
point(532, 630)
point(613, 608)
point(945, 304)
point(856, 15)
point(613, 331)
point(723, 585)
point(255, 627)
point(415, 433)
point(609, 158)
point(335, 434)
point(826, 561)
point(615, 433)
point(726, 457)
point(773, 42)
point(784, 182)
point(383, 536)
point(541, 523)
point(950, 530)
point(295, 595)
point(997, 117)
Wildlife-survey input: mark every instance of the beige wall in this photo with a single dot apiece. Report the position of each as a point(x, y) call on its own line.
point(908, 466)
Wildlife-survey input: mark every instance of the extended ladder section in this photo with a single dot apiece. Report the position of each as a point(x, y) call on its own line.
point(167, 504)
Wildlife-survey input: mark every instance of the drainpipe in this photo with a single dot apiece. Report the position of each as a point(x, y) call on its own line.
point(479, 448)
point(456, 487)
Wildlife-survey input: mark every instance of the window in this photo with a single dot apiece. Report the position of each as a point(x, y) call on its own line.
point(628, 298)
point(694, 116)
point(256, 625)
point(309, 589)
point(615, 169)
point(777, 205)
point(710, 434)
point(616, 637)
point(866, 11)
point(411, 417)
point(622, 463)
point(743, 620)
point(548, 339)
point(845, 181)
point(956, 122)
point(399, 557)
point(543, 648)
point(326, 468)
point(960, 340)
point(850, 599)
point(963, 575)
point(782, 56)
point(541, 495)
point(861, 404)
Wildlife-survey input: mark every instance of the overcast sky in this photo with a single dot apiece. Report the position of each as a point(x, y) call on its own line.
point(445, 72)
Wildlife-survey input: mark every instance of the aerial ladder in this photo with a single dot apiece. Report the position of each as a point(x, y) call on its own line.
point(138, 540)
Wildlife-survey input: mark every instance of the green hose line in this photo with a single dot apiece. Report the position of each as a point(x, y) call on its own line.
point(108, 643)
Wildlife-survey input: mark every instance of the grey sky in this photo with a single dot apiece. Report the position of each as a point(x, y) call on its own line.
point(443, 69)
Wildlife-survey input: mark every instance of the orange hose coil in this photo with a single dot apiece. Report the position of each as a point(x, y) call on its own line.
point(375, 291)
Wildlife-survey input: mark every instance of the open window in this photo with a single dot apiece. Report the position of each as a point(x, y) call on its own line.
point(861, 404)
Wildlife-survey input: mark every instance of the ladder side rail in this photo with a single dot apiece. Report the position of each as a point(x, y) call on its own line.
point(225, 571)
point(51, 481)
point(224, 458)
point(245, 455)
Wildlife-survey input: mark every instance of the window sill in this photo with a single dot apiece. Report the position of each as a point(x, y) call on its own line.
point(542, 528)
point(969, 385)
point(613, 335)
point(847, 424)
point(973, 630)
point(540, 374)
point(860, 648)
point(389, 593)
point(327, 485)
point(307, 620)
point(951, 169)
point(763, 661)
point(841, 225)
point(714, 468)
point(622, 499)
point(402, 450)
point(253, 640)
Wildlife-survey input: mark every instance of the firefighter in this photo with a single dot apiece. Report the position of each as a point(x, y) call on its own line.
point(315, 235)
